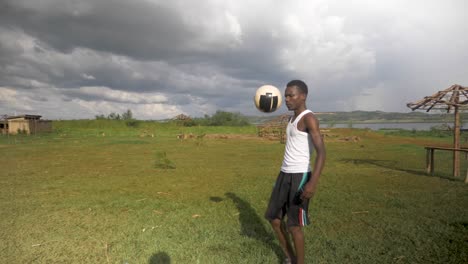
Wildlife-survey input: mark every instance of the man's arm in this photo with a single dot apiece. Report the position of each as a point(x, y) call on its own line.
point(312, 125)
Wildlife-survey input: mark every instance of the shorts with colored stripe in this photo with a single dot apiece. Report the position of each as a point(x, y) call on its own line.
point(285, 199)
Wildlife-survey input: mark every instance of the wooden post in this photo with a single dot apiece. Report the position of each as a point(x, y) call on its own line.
point(456, 144)
point(430, 161)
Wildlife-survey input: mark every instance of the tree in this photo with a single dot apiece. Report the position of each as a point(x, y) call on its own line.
point(113, 116)
point(100, 117)
point(127, 115)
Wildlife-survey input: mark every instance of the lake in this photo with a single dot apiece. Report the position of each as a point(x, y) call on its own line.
point(377, 126)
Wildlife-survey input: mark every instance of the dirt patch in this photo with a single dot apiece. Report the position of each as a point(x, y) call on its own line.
point(232, 136)
point(191, 136)
point(327, 137)
point(359, 135)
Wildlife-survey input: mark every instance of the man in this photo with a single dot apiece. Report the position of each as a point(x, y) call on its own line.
point(296, 183)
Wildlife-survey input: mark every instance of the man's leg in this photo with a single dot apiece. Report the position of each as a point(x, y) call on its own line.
point(283, 238)
point(298, 238)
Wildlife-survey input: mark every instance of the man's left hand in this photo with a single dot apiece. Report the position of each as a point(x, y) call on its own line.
point(308, 191)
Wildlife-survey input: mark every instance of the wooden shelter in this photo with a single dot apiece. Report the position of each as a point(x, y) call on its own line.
point(274, 129)
point(453, 99)
point(182, 117)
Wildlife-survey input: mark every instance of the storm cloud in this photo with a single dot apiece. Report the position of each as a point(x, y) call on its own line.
point(81, 58)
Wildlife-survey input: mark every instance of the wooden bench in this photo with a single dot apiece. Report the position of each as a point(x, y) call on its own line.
point(430, 156)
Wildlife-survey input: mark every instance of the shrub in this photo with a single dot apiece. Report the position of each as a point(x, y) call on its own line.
point(222, 118)
point(162, 162)
point(132, 123)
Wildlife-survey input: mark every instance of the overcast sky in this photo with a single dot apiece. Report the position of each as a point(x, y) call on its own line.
point(70, 59)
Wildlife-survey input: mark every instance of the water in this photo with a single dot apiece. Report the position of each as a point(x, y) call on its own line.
point(377, 126)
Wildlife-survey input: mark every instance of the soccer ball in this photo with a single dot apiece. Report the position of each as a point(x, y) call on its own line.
point(267, 98)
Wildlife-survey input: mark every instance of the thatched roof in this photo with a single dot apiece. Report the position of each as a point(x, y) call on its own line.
point(454, 96)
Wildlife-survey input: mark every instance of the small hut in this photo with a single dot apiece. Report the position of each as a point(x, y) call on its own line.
point(27, 124)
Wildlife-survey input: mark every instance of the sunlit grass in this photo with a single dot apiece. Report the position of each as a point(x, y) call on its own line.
point(95, 195)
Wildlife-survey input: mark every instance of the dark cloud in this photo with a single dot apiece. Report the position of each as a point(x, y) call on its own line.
point(141, 30)
point(164, 57)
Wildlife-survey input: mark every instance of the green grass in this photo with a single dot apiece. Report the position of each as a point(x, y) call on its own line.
point(144, 128)
point(88, 194)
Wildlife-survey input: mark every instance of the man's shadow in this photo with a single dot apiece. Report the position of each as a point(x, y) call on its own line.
point(160, 258)
point(252, 226)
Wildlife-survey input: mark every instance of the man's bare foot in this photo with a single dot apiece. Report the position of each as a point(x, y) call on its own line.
point(289, 261)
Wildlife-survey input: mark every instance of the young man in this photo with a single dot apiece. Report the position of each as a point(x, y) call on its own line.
point(296, 183)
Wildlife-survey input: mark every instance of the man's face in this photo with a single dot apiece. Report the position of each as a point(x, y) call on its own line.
point(293, 98)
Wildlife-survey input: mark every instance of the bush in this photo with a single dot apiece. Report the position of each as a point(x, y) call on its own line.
point(132, 123)
point(222, 118)
point(162, 162)
point(440, 131)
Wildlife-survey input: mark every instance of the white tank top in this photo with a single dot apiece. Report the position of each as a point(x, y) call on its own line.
point(298, 148)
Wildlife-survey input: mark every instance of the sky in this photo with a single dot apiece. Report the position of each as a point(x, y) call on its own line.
point(75, 59)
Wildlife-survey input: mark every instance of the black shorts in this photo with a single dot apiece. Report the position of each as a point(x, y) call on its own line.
point(285, 199)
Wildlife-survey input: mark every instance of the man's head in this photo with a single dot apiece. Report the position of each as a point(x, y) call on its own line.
point(300, 85)
point(295, 94)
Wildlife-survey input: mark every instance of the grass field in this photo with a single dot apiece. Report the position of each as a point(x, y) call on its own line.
point(99, 192)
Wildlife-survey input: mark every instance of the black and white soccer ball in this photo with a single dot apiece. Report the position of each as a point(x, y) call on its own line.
point(268, 98)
